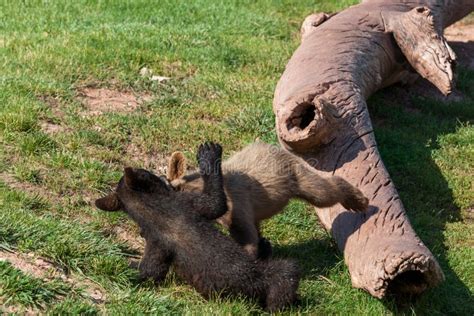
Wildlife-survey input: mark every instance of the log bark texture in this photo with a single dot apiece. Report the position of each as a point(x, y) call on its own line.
point(321, 114)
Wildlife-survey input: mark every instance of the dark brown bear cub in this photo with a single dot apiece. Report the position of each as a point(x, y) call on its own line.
point(179, 230)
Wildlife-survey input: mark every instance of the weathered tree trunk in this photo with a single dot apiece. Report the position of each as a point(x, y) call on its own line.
point(321, 113)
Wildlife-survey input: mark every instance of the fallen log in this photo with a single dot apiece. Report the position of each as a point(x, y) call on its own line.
point(321, 113)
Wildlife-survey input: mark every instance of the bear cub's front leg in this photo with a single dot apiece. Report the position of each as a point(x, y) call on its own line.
point(155, 263)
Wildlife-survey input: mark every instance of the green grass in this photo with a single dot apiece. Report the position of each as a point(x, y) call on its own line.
point(25, 290)
point(224, 59)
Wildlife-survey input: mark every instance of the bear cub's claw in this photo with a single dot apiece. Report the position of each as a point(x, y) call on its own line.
point(357, 202)
point(209, 157)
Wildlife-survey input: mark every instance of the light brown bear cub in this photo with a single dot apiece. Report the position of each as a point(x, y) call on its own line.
point(259, 181)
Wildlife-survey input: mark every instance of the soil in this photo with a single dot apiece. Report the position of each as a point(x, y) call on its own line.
point(28, 188)
point(144, 159)
point(43, 269)
point(51, 128)
point(102, 100)
point(132, 239)
point(461, 38)
point(54, 103)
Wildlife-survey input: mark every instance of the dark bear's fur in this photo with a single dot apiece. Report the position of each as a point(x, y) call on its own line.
point(179, 230)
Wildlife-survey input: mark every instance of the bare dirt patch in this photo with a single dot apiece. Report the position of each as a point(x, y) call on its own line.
point(51, 128)
point(43, 269)
point(102, 100)
point(142, 158)
point(461, 39)
point(28, 188)
point(54, 103)
point(132, 239)
point(54, 200)
point(460, 32)
point(29, 264)
point(17, 310)
point(469, 215)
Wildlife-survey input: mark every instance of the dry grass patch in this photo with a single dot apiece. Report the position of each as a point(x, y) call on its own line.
point(140, 157)
point(41, 268)
point(461, 39)
point(29, 188)
point(54, 103)
point(51, 128)
point(103, 100)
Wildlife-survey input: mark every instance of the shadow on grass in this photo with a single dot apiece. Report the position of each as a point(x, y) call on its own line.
point(314, 256)
point(407, 129)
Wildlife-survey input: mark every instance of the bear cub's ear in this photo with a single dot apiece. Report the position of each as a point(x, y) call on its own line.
point(138, 179)
point(109, 203)
point(142, 180)
point(176, 166)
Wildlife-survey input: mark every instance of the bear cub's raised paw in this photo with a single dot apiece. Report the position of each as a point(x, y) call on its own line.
point(357, 202)
point(209, 158)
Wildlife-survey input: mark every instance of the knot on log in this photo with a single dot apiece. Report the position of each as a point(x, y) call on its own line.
point(311, 22)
